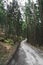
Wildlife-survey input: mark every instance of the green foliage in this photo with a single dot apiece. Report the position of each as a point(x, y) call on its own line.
point(2, 13)
point(32, 20)
point(9, 41)
point(13, 25)
point(24, 29)
point(10, 20)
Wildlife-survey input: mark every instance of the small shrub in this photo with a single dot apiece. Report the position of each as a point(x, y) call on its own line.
point(9, 41)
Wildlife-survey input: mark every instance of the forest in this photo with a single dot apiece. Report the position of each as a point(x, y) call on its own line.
point(13, 25)
point(16, 26)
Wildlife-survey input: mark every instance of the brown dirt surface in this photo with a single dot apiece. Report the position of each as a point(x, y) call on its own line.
point(5, 51)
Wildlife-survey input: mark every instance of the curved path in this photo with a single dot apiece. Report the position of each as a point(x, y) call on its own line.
point(27, 55)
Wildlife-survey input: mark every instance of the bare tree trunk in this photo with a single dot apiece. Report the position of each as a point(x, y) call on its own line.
point(41, 16)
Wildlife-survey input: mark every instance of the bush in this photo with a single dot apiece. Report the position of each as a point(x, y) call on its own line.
point(9, 41)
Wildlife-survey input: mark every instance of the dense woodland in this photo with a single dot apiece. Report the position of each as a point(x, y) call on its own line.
point(34, 19)
point(13, 26)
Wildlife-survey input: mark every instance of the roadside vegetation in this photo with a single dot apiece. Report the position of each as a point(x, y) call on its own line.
point(34, 19)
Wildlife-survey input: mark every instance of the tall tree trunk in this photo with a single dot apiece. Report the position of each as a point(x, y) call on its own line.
point(41, 16)
point(35, 20)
